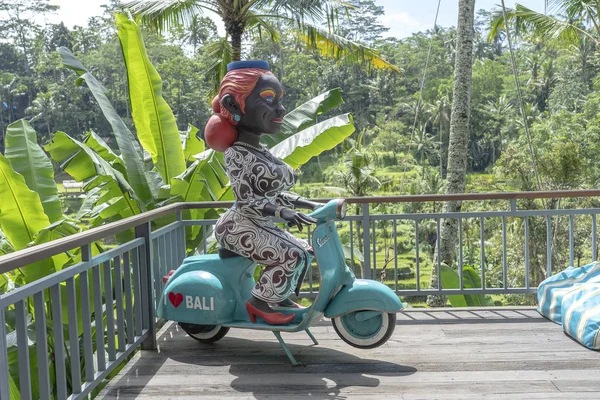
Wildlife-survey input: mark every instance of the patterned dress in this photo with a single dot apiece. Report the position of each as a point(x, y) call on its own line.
point(258, 178)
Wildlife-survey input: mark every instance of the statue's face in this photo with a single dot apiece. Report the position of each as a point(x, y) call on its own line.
point(264, 111)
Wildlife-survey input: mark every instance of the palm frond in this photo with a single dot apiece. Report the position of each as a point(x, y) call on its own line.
point(258, 23)
point(526, 21)
point(332, 45)
point(160, 14)
point(301, 10)
point(564, 7)
point(221, 52)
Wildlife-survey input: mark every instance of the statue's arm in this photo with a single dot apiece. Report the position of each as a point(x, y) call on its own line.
point(292, 200)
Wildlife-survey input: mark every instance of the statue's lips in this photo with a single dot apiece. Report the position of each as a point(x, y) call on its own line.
point(277, 120)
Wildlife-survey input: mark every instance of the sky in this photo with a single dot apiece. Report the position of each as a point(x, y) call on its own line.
point(403, 17)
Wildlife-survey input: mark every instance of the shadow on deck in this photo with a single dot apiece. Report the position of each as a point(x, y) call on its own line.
point(506, 353)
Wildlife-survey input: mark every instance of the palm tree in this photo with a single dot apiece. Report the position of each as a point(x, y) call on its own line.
point(43, 108)
point(425, 146)
point(251, 16)
point(459, 135)
point(196, 33)
point(497, 110)
point(440, 115)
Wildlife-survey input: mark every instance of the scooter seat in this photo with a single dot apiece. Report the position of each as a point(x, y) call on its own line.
point(224, 253)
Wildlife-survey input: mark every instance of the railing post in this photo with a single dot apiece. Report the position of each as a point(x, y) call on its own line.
point(182, 243)
point(146, 285)
point(4, 374)
point(366, 225)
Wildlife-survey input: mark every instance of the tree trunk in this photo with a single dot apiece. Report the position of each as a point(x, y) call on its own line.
point(236, 45)
point(459, 136)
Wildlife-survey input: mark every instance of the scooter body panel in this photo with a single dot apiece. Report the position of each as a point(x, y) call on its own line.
point(201, 290)
point(332, 265)
point(363, 294)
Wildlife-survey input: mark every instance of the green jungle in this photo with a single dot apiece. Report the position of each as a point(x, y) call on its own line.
point(105, 121)
point(79, 152)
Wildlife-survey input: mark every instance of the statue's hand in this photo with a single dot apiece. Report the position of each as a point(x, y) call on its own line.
point(296, 218)
point(316, 206)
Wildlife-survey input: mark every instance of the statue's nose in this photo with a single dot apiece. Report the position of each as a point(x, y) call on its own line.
point(280, 110)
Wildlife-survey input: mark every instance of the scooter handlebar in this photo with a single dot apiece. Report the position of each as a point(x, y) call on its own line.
point(333, 209)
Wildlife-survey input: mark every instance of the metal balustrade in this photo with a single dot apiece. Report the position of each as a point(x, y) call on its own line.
point(106, 303)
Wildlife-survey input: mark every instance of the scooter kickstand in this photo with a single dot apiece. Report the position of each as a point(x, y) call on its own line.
point(310, 335)
point(285, 348)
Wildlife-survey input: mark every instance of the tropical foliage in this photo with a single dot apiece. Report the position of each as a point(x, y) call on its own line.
point(157, 166)
point(405, 130)
point(305, 19)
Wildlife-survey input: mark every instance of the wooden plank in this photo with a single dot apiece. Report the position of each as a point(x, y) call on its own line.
point(457, 360)
point(396, 396)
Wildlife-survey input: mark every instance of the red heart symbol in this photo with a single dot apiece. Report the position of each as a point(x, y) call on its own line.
point(176, 299)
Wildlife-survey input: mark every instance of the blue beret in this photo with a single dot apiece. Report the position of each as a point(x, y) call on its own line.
point(248, 64)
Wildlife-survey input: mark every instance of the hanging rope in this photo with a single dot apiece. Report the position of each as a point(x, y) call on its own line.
point(412, 135)
point(520, 98)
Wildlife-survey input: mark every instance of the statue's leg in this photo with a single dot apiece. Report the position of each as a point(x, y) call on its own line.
point(285, 258)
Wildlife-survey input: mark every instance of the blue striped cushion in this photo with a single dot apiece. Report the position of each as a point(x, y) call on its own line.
point(551, 291)
point(581, 314)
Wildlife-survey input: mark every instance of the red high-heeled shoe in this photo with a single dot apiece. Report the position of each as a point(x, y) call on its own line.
point(276, 318)
point(167, 276)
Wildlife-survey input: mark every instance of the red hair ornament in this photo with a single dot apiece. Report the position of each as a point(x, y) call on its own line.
point(219, 132)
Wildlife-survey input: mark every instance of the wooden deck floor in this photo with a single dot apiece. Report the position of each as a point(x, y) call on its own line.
point(502, 353)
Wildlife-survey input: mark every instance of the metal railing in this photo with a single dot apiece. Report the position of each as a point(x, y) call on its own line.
point(116, 291)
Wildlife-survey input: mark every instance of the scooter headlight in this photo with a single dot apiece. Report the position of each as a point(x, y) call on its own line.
point(341, 209)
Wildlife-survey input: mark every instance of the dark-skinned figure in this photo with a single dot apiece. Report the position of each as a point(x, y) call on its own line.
point(247, 106)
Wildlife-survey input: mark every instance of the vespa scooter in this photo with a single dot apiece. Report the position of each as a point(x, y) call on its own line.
point(207, 294)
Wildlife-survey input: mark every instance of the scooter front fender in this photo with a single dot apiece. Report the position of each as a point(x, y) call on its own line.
point(363, 294)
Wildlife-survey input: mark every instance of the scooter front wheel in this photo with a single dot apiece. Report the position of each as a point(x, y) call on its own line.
point(365, 329)
point(204, 333)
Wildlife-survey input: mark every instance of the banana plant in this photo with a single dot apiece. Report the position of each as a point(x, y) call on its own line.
point(117, 184)
point(30, 214)
point(471, 280)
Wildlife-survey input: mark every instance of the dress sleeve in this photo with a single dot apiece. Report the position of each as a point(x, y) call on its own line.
point(287, 199)
point(240, 168)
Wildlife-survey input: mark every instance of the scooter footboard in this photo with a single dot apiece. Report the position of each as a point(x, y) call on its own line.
point(364, 294)
point(196, 297)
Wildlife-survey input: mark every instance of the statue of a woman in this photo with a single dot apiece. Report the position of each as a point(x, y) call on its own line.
point(249, 105)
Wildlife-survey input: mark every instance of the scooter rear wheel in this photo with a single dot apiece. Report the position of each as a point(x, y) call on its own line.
point(364, 334)
point(204, 333)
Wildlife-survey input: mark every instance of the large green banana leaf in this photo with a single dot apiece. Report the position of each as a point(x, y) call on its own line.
point(80, 161)
point(85, 165)
point(21, 211)
point(21, 217)
point(204, 180)
point(154, 121)
point(471, 279)
point(5, 245)
point(96, 143)
point(301, 147)
point(28, 159)
point(54, 231)
point(304, 116)
point(191, 144)
point(131, 152)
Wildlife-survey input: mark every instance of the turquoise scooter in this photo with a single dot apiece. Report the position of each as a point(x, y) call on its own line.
point(207, 294)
